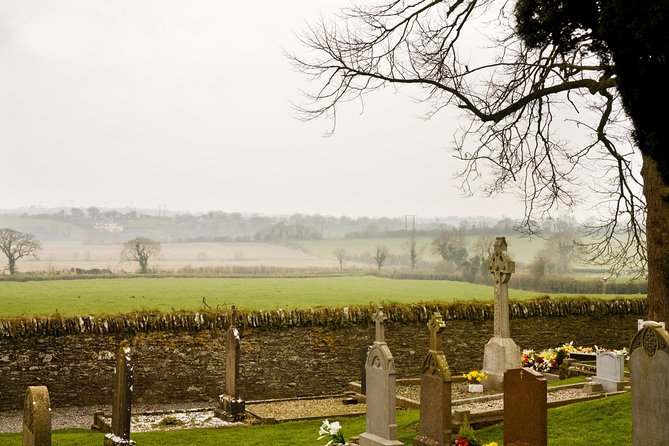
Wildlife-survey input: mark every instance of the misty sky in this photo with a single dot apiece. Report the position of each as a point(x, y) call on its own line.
point(187, 105)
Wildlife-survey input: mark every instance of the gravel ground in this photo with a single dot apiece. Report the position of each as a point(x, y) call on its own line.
point(82, 417)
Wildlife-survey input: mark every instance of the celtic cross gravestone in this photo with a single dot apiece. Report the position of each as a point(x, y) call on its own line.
point(501, 353)
point(435, 425)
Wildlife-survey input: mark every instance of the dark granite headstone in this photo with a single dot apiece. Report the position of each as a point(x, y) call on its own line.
point(37, 417)
point(525, 408)
point(122, 403)
point(435, 426)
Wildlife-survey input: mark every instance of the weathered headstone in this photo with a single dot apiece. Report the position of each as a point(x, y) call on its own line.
point(364, 351)
point(525, 408)
point(500, 353)
point(37, 417)
point(435, 425)
point(641, 323)
point(231, 406)
point(610, 371)
point(122, 403)
point(381, 427)
point(649, 374)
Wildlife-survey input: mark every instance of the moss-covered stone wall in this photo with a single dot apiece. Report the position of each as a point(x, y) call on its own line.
point(181, 357)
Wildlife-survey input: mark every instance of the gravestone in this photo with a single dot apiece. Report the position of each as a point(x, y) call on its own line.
point(381, 427)
point(122, 403)
point(641, 323)
point(364, 351)
point(610, 371)
point(500, 353)
point(525, 408)
point(435, 425)
point(231, 406)
point(37, 417)
point(649, 374)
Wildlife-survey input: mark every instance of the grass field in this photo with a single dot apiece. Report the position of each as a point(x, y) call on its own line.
point(113, 296)
point(605, 421)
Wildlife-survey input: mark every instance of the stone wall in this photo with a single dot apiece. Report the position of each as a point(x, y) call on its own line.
point(280, 359)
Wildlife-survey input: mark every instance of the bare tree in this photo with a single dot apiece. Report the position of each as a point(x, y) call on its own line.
point(16, 245)
point(562, 248)
point(413, 249)
point(340, 254)
point(552, 67)
point(381, 255)
point(140, 250)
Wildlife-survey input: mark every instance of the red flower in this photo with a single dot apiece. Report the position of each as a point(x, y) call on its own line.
point(463, 442)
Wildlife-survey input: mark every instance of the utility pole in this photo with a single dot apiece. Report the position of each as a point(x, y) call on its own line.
point(406, 217)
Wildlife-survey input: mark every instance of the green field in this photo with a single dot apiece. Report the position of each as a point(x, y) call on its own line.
point(113, 296)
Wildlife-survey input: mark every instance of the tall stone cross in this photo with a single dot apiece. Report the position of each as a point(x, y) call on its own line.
point(233, 350)
point(501, 267)
point(379, 317)
point(121, 406)
point(436, 327)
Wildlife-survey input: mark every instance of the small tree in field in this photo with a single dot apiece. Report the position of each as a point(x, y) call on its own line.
point(381, 255)
point(140, 250)
point(16, 245)
point(413, 249)
point(340, 254)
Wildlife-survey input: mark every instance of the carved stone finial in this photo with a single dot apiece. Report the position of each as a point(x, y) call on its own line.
point(500, 264)
point(436, 327)
point(379, 317)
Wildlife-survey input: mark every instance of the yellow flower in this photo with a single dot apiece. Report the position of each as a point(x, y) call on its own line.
point(493, 443)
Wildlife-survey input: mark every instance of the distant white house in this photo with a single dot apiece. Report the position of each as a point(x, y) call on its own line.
point(109, 227)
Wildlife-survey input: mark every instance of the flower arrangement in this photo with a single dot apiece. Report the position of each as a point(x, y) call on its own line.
point(467, 437)
point(475, 377)
point(546, 359)
point(332, 430)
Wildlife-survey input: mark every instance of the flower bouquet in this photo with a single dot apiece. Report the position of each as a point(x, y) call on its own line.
point(333, 431)
point(467, 437)
point(475, 379)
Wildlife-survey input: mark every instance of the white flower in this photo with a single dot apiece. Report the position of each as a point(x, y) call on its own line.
point(335, 427)
point(324, 430)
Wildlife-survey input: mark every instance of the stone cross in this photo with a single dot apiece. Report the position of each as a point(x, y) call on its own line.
point(435, 425)
point(501, 267)
point(122, 404)
point(436, 327)
point(231, 406)
point(37, 417)
point(379, 317)
point(232, 355)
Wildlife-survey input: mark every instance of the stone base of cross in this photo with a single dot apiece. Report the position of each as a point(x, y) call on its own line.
point(499, 355)
point(230, 409)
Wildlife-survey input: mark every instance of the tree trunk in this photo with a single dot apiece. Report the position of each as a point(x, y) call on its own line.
point(657, 239)
point(12, 265)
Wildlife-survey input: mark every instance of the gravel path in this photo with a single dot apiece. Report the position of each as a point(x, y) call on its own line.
point(82, 417)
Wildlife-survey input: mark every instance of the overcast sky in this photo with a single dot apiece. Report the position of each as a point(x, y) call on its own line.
point(187, 105)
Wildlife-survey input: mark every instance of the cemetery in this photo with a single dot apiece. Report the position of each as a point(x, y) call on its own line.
point(371, 363)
